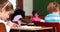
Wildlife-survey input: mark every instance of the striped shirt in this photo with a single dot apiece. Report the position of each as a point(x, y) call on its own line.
point(52, 18)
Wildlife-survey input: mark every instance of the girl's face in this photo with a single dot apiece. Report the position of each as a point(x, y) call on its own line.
point(5, 15)
point(36, 15)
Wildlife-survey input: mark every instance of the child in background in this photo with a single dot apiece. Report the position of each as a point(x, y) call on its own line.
point(19, 16)
point(36, 16)
point(53, 16)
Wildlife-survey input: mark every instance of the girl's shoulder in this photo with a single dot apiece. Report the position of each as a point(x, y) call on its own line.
point(52, 15)
point(1, 21)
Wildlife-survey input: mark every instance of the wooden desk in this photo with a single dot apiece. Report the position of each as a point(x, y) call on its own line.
point(32, 28)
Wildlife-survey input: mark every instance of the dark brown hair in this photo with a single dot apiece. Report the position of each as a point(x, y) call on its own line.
point(52, 7)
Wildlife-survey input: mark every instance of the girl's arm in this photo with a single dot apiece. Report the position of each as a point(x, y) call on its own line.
point(9, 23)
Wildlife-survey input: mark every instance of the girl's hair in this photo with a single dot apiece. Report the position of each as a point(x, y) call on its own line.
point(34, 12)
point(52, 7)
point(2, 2)
point(8, 7)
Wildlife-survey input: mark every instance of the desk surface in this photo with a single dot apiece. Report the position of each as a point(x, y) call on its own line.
point(31, 28)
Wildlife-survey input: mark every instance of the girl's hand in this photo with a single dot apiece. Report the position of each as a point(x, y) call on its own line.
point(15, 25)
point(9, 23)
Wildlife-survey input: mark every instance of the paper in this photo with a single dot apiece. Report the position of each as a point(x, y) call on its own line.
point(31, 26)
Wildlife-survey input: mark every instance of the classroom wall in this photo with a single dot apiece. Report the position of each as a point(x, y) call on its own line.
point(41, 6)
point(28, 7)
point(13, 3)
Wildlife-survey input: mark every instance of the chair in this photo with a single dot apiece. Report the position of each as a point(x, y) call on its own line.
point(56, 26)
point(2, 27)
point(15, 22)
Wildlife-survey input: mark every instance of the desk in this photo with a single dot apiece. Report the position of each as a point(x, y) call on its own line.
point(31, 28)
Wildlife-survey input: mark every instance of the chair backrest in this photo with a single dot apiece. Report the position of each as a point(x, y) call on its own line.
point(57, 25)
point(15, 22)
point(2, 27)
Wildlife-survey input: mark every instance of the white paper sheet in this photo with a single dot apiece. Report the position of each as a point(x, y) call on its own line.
point(31, 27)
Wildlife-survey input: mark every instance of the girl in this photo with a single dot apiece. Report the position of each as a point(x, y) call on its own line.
point(6, 9)
point(36, 16)
point(19, 17)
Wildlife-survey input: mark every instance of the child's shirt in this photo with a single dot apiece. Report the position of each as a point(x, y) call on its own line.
point(7, 26)
point(52, 18)
point(17, 18)
point(36, 19)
